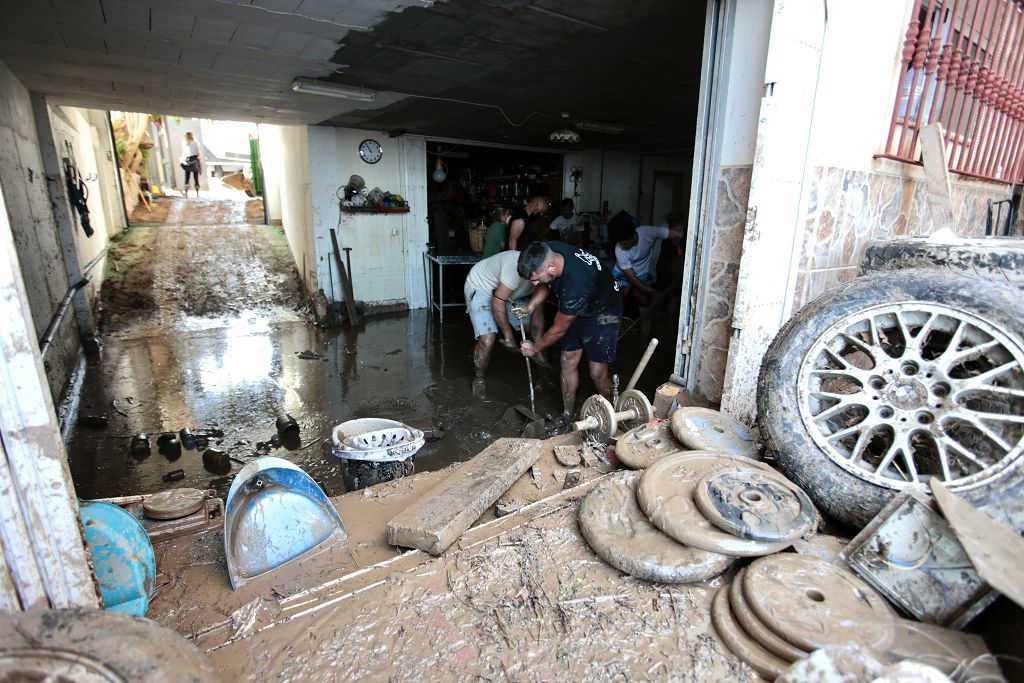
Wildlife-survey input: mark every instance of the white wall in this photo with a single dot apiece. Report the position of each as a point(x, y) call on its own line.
point(71, 126)
point(32, 224)
point(753, 22)
point(651, 165)
point(857, 85)
point(378, 241)
point(271, 159)
point(288, 147)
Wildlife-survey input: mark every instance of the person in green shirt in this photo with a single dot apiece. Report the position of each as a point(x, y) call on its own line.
point(497, 232)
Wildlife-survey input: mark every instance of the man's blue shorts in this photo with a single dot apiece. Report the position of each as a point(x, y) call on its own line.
point(597, 335)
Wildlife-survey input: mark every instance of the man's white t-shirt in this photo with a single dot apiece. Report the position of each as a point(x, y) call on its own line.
point(500, 268)
point(639, 256)
point(566, 226)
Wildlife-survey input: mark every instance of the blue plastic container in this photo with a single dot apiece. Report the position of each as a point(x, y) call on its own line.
point(122, 556)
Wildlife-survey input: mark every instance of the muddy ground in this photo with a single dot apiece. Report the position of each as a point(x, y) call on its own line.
point(204, 325)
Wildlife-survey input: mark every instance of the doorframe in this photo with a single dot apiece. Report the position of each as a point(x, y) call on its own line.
point(714, 84)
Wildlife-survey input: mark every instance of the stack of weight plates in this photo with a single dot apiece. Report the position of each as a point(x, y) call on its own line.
point(785, 606)
point(688, 515)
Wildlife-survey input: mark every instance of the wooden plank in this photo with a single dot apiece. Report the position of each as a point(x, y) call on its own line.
point(43, 546)
point(936, 174)
point(448, 510)
point(995, 550)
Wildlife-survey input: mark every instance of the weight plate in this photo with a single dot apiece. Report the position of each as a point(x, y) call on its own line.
point(173, 504)
point(745, 648)
point(751, 504)
point(709, 430)
point(617, 530)
point(665, 494)
point(812, 603)
point(642, 445)
point(601, 410)
point(635, 401)
point(755, 628)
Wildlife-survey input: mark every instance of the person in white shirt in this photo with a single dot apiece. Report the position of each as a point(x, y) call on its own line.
point(634, 249)
point(190, 160)
point(567, 223)
point(492, 288)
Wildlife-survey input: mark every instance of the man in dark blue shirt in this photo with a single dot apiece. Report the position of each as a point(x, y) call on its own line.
point(589, 307)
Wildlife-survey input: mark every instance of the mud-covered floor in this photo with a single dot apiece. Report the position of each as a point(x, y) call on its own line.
point(204, 325)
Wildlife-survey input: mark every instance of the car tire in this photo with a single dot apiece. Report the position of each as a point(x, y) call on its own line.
point(833, 423)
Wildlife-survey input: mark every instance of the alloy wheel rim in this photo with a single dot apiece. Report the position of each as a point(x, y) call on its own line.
point(899, 393)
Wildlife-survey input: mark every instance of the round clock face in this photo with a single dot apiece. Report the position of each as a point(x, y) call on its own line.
point(370, 151)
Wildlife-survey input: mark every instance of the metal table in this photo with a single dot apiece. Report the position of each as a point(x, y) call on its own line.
point(441, 262)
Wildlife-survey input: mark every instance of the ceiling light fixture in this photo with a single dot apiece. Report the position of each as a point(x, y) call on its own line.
point(327, 89)
point(565, 136)
point(598, 127)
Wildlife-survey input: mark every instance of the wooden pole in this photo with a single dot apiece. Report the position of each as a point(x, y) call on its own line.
point(346, 284)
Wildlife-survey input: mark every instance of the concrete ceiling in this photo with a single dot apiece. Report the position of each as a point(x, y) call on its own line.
point(487, 70)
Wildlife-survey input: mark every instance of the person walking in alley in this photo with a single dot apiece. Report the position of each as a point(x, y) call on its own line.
point(589, 306)
point(492, 287)
point(190, 160)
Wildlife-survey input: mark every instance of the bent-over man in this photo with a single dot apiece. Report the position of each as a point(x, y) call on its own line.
point(492, 287)
point(589, 306)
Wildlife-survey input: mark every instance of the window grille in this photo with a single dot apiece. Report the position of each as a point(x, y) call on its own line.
point(963, 67)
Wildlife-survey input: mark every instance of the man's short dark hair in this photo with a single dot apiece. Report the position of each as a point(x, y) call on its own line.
point(532, 259)
point(620, 228)
point(567, 202)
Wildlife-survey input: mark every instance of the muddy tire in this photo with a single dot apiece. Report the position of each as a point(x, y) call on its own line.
point(992, 258)
point(96, 645)
point(889, 380)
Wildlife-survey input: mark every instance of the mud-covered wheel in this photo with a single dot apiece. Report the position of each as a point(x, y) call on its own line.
point(892, 379)
point(96, 646)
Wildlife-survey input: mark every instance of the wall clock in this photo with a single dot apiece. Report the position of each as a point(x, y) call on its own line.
point(370, 151)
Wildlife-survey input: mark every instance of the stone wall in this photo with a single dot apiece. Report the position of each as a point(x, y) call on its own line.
point(723, 272)
point(848, 209)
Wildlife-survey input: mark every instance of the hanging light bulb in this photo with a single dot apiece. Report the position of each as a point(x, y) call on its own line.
point(440, 172)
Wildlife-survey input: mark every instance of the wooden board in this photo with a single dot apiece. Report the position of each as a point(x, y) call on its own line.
point(995, 550)
point(447, 511)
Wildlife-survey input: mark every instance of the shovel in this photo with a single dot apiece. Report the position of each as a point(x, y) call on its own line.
point(529, 371)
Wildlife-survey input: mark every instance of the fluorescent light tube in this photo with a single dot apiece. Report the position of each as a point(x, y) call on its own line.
point(598, 127)
point(328, 89)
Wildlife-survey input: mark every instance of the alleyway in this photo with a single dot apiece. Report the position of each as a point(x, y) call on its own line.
point(204, 326)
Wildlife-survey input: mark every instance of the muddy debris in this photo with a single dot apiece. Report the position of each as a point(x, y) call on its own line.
point(140, 447)
point(216, 461)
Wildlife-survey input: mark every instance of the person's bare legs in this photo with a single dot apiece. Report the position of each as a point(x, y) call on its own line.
point(481, 359)
point(570, 381)
point(602, 381)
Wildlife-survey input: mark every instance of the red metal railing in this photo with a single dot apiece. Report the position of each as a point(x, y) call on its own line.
point(963, 67)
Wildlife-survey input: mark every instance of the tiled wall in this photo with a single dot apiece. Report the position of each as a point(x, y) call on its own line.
point(848, 209)
point(726, 248)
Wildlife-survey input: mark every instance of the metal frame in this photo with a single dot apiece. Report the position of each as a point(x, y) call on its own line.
point(703, 186)
point(428, 274)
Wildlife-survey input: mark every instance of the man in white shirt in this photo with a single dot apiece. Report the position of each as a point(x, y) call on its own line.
point(567, 223)
point(492, 287)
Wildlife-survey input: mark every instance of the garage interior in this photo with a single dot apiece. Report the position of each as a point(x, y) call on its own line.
point(230, 343)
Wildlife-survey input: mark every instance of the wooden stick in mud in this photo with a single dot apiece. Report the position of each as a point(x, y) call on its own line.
point(529, 372)
point(643, 364)
point(346, 284)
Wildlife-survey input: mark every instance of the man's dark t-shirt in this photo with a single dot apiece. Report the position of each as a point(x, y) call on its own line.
point(586, 287)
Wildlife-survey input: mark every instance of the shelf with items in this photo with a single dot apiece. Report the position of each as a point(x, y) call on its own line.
point(375, 209)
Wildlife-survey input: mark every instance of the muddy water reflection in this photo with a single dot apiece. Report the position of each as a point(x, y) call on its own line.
point(239, 378)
